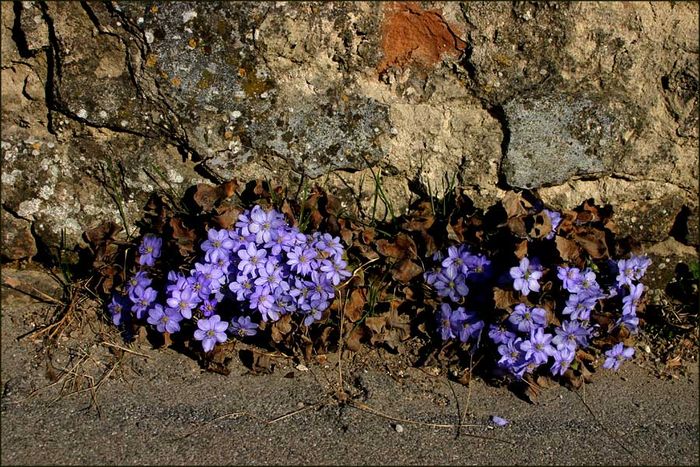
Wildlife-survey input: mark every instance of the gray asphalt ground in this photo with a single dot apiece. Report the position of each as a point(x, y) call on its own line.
point(161, 408)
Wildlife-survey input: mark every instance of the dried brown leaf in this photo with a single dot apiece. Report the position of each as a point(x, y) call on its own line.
point(515, 205)
point(206, 196)
point(367, 235)
point(593, 241)
point(504, 299)
point(542, 225)
point(219, 359)
point(568, 250)
point(405, 271)
point(281, 328)
point(401, 247)
point(419, 223)
point(517, 227)
point(353, 341)
point(521, 249)
point(184, 236)
point(227, 216)
point(376, 324)
point(355, 305)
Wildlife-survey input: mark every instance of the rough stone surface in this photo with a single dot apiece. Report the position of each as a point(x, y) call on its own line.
point(17, 239)
point(112, 99)
point(554, 137)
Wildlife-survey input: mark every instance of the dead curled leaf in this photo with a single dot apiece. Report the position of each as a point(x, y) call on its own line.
point(405, 271)
point(390, 328)
point(184, 236)
point(281, 328)
point(355, 304)
point(593, 241)
point(401, 247)
point(504, 299)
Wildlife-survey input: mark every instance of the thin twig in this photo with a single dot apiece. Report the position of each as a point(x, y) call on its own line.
point(459, 412)
point(365, 408)
point(341, 387)
point(357, 270)
point(42, 297)
point(469, 389)
point(222, 417)
point(612, 435)
point(109, 344)
point(292, 413)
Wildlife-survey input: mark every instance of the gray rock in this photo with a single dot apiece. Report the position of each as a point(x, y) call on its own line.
point(554, 137)
point(17, 239)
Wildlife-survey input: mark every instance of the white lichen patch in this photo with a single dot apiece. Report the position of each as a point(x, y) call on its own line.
point(28, 208)
point(9, 178)
point(46, 192)
point(174, 176)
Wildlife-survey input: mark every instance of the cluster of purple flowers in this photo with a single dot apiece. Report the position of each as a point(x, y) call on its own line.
point(527, 340)
point(261, 269)
point(451, 280)
point(630, 272)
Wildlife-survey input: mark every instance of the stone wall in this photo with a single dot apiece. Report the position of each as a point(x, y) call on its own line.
point(104, 102)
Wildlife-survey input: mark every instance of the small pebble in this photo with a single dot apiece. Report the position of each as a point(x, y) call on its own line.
point(398, 428)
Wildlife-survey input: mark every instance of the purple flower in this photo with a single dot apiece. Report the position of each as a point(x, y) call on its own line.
point(562, 359)
point(149, 250)
point(456, 260)
point(499, 421)
point(640, 267)
point(184, 301)
point(589, 285)
point(579, 306)
point(176, 281)
point(445, 322)
point(300, 259)
point(570, 335)
point(465, 324)
point(629, 322)
point(251, 258)
point(314, 311)
point(617, 355)
point(139, 279)
point(211, 330)
point(333, 245)
point(243, 326)
point(199, 284)
point(263, 223)
point(539, 347)
point(271, 277)
point(555, 219)
point(571, 278)
point(211, 272)
point(450, 283)
point(525, 277)
point(142, 299)
point(479, 268)
point(630, 302)
point(500, 334)
point(208, 307)
point(321, 290)
point(242, 287)
point(335, 271)
point(165, 320)
point(513, 358)
point(262, 301)
point(625, 268)
point(118, 306)
point(217, 246)
point(526, 318)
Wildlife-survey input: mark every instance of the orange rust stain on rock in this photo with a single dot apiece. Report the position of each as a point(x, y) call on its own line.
point(411, 35)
